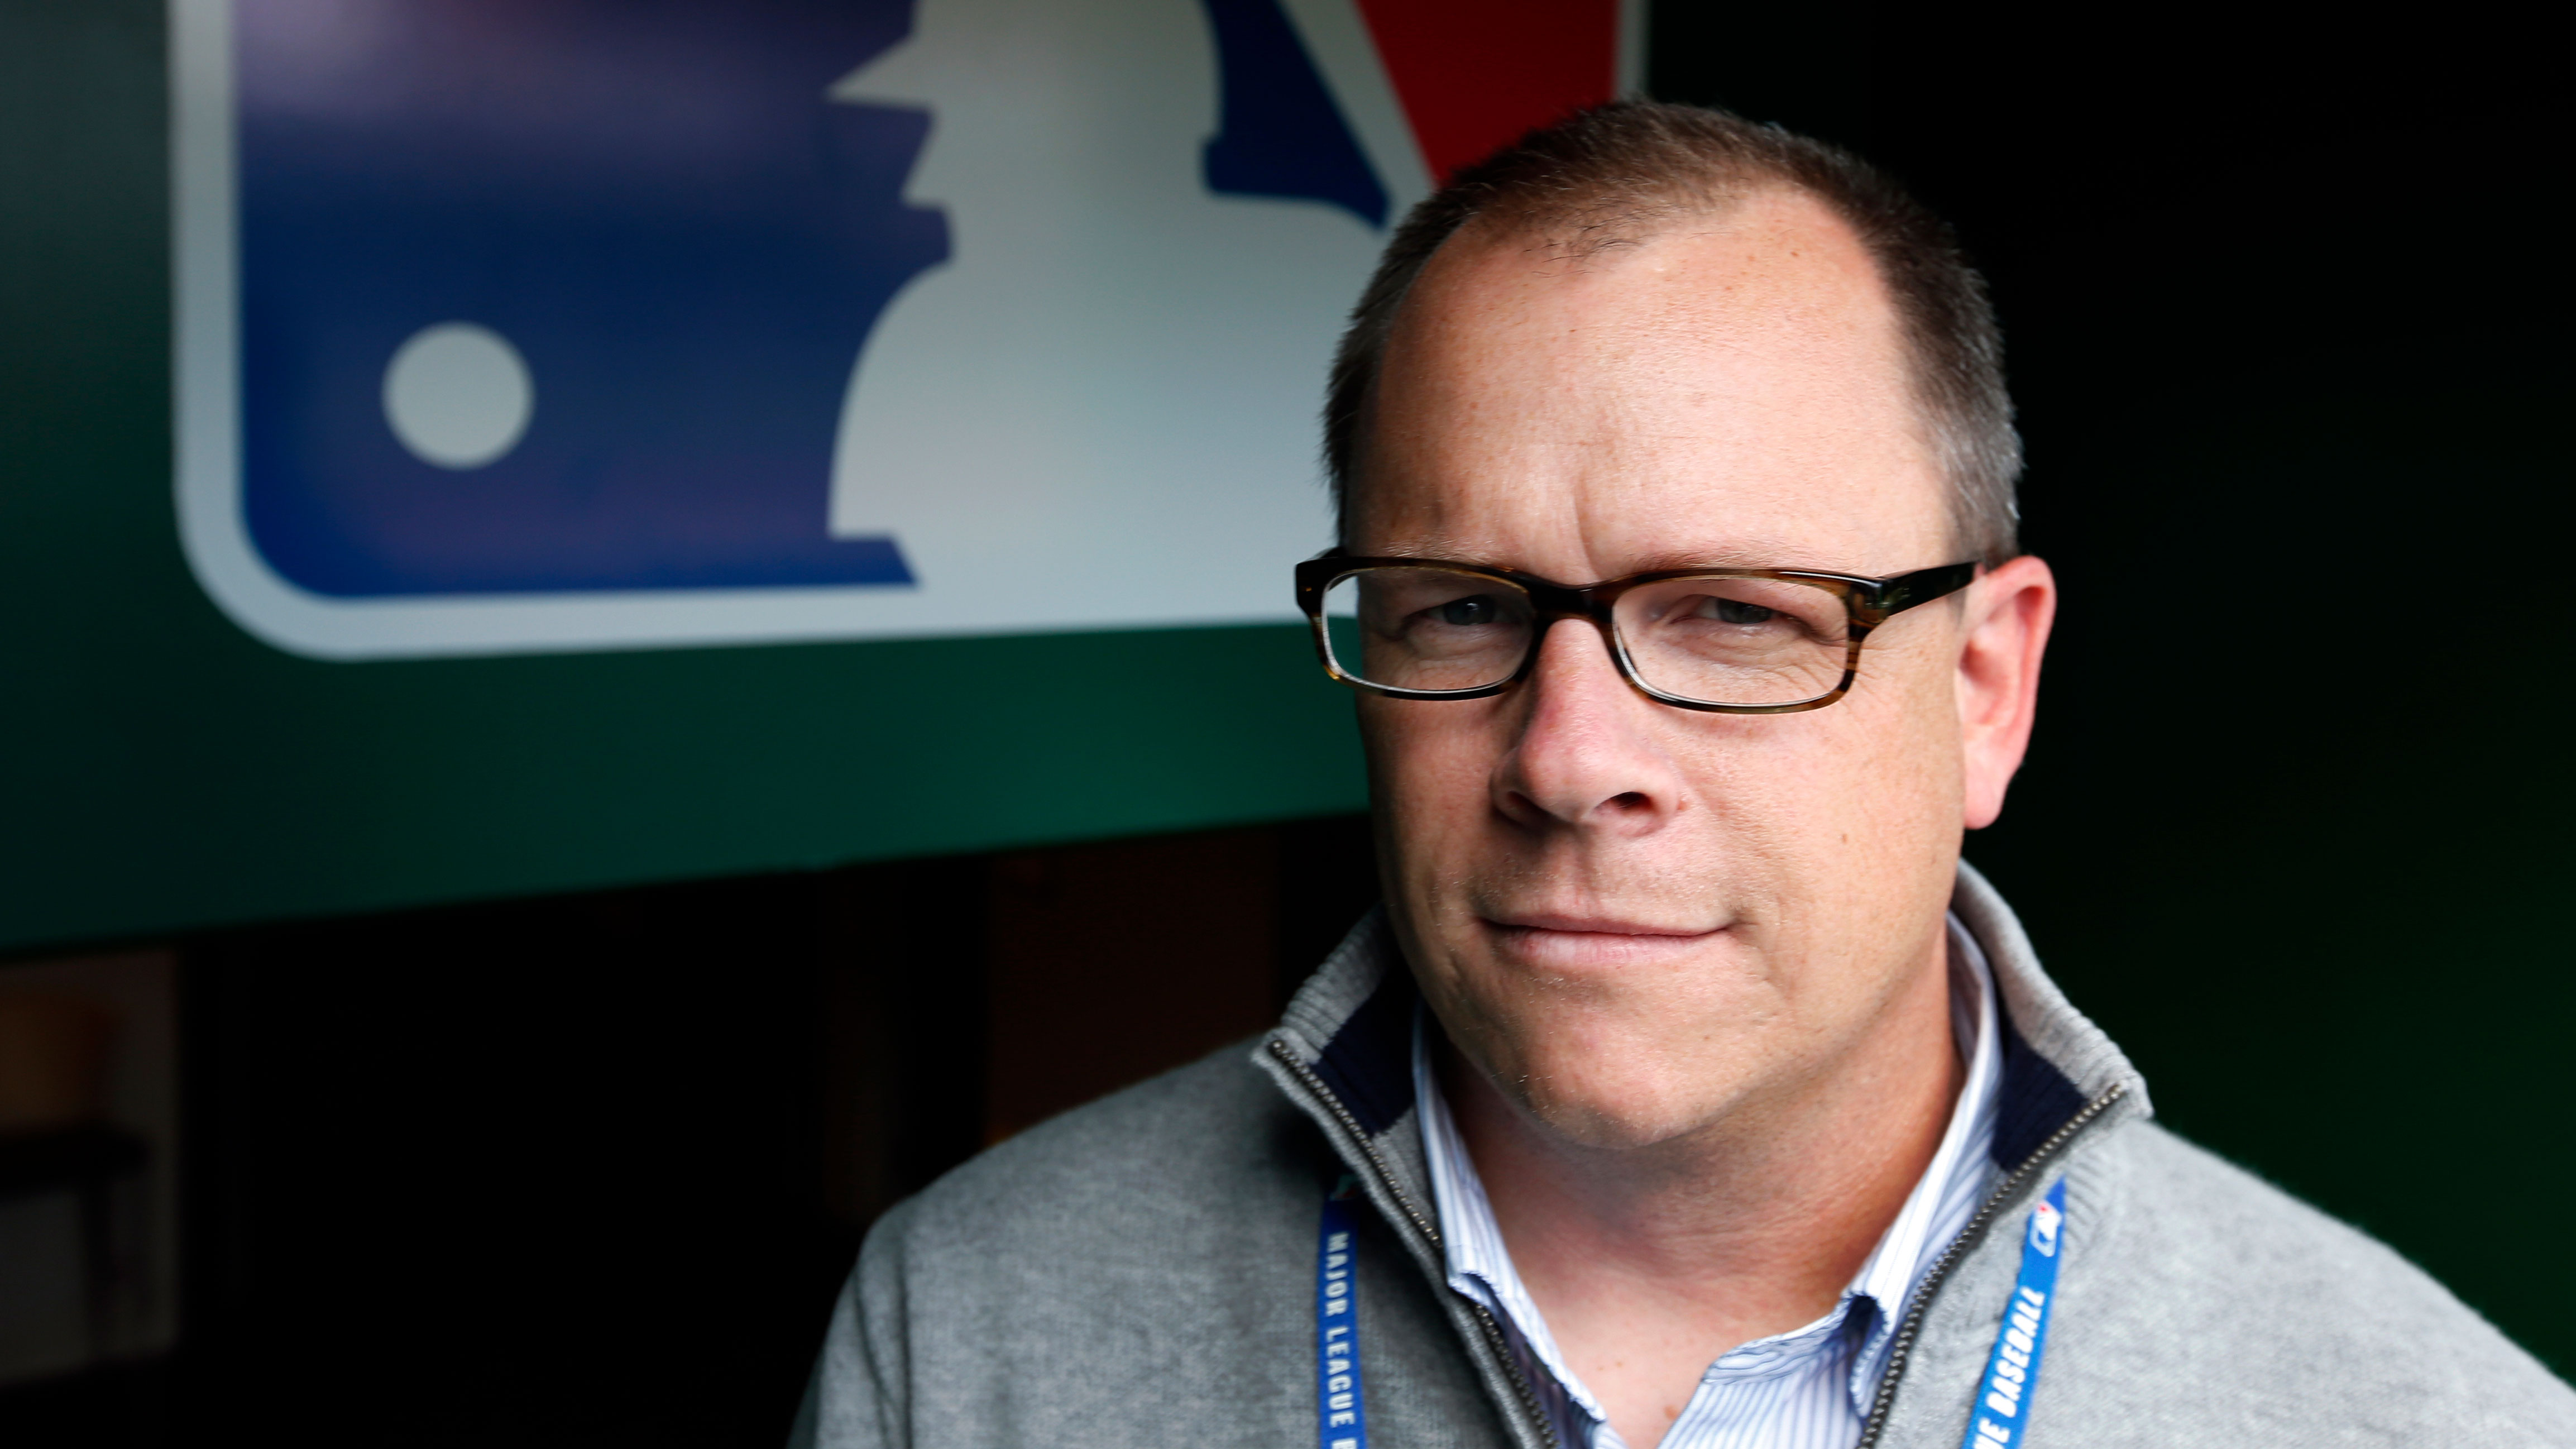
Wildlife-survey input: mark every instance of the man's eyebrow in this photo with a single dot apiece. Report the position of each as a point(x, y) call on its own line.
point(1755, 554)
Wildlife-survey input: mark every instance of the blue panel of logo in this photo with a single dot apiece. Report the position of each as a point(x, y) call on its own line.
point(567, 296)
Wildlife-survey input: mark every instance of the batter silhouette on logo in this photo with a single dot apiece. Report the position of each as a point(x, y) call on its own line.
point(1064, 421)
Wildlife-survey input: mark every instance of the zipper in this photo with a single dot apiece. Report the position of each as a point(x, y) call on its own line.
point(1901, 1347)
point(1495, 1340)
point(1502, 1350)
point(1350, 1124)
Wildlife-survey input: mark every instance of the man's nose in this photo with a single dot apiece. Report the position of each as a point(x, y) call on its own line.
point(1590, 753)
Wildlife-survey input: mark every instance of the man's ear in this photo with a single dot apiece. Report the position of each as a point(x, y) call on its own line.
point(2008, 614)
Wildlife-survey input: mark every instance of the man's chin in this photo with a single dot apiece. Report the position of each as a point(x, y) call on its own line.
point(1614, 1121)
point(1614, 1099)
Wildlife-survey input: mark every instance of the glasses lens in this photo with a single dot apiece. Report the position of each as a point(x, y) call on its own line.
point(1736, 641)
point(1427, 629)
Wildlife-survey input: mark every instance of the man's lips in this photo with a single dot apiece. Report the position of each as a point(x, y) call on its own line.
point(1587, 925)
point(1563, 941)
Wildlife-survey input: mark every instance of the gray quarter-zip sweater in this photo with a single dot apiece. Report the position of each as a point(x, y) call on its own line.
point(1141, 1271)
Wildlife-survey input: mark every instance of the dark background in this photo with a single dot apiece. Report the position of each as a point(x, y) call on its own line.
point(2284, 294)
point(2284, 300)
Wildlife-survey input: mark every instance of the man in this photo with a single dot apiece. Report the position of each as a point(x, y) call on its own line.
point(1688, 1090)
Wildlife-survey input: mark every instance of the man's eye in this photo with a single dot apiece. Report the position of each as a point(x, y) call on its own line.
point(1736, 611)
point(1467, 612)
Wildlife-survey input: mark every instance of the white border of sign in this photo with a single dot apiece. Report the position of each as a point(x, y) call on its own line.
point(206, 396)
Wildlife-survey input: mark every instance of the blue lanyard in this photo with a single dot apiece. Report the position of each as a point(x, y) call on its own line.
point(2000, 1415)
point(1337, 1326)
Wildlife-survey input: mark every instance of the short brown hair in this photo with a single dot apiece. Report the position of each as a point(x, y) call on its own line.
point(1607, 176)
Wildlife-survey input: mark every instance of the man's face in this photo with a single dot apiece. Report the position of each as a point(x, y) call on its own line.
point(1637, 919)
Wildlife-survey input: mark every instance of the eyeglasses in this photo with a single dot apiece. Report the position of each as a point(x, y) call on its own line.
point(1731, 641)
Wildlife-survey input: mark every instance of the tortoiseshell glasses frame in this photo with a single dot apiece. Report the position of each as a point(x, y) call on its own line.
point(1867, 603)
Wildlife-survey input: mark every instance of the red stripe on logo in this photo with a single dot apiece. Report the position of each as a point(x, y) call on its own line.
point(1474, 74)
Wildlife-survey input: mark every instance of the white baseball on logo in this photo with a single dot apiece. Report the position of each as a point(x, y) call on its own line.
point(458, 395)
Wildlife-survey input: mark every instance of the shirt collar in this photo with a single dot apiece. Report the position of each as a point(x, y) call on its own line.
point(1940, 1204)
point(1961, 1170)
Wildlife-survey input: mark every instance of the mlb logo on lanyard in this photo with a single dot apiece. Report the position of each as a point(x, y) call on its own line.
point(2044, 1220)
point(572, 324)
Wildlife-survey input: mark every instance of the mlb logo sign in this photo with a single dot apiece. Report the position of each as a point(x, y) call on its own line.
point(575, 324)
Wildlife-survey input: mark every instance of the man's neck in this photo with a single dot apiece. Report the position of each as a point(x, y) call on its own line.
point(1650, 1263)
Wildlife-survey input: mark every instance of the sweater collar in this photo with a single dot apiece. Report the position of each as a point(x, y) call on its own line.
point(1347, 1037)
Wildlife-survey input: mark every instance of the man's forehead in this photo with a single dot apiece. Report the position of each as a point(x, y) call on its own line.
point(1715, 266)
point(1731, 389)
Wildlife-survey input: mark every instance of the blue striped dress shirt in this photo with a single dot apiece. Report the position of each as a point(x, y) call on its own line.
point(1809, 1388)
